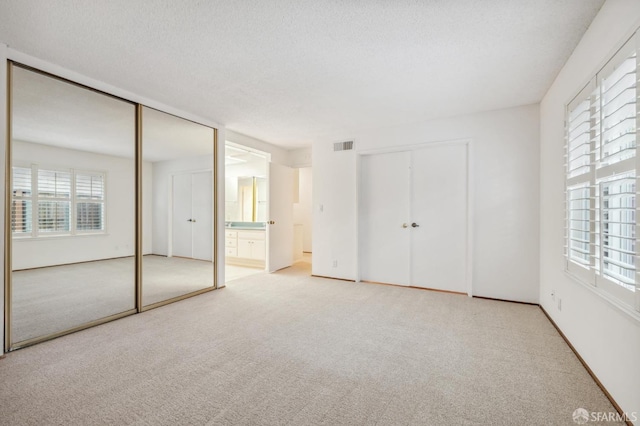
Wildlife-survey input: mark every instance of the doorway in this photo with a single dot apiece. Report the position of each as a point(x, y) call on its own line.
point(246, 206)
point(414, 217)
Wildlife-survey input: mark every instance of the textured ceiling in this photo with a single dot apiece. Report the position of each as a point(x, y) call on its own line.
point(292, 71)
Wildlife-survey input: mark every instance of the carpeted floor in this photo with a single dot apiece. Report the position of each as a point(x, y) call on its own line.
point(58, 298)
point(290, 349)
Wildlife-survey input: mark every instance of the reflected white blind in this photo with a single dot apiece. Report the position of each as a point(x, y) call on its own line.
point(54, 201)
point(89, 202)
point(54, 184)
point(21, 203)
point(618, 112)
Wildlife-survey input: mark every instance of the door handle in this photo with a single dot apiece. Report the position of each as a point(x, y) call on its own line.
point(404, 225)
point(414, 225)
point(272, 222)
point(189, 220)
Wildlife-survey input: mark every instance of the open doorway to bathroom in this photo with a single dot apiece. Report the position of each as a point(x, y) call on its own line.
point(246, 191)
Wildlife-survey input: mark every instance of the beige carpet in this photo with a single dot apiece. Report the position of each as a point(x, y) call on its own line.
point(288, 349)
point(233, 272)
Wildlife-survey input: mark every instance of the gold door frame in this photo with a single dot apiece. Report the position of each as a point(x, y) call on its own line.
point(9, 345)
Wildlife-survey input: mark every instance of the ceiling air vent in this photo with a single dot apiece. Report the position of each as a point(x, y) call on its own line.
point(343, 146)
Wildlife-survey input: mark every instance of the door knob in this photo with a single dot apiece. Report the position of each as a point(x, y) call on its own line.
point(194, 221)
point(272, 222)
point(414, 225)
point(404, 225)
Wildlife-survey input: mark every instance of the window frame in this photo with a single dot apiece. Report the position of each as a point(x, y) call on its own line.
point(600, 172)
point(73, 200)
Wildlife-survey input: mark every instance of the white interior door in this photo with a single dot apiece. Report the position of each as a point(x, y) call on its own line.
point(439, 210)
point(202, 215)
point(384, 218)
point(181, 216)
point(280, 220)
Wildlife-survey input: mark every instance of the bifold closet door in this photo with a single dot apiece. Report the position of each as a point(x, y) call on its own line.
point(192, 215)
point(182, 218)
point(202, 212)
point(384, 218)
point(439, 210)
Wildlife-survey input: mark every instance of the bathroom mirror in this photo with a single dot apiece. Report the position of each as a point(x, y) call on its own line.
point(245, 185)
point(177, 207)
point(72, 200)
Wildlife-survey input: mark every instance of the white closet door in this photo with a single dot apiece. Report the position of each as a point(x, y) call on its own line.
point(384, 211)
point(280, 222)
point(202, 212)
point(181, 216)
point(439, 208)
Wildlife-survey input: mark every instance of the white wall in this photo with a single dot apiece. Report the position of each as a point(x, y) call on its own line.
point(505, 179)
point(607, 338)
point(162, 172)
point(300, 157)
point(118, 241)
point(302, 210)
point(278, 155)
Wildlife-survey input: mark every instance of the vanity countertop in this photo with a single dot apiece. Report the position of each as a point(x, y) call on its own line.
point(245, 226)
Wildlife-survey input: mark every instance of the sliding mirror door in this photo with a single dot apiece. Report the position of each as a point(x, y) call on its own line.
point(72, 200)
point(177, 207)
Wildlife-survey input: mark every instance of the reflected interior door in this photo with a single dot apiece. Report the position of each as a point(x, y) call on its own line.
point(193, 215)
point(280, 222)
point(384, 218)
point(182, 229)
point(439, 208)
point(202, 214)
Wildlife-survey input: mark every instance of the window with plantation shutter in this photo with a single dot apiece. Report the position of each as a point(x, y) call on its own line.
point(54, 201)
point(21, 202)
point(601, 179)
point(47, 202)
point(89, 202)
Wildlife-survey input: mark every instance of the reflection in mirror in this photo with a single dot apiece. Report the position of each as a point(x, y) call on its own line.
point(177, 207)
point(72, 206)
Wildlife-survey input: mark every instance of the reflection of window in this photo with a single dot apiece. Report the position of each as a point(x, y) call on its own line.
point(67, 202)
point(22, 201)
point(89, 202)
point(54, 201)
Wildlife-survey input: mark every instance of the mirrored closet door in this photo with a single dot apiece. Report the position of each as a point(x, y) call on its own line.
point(177, 207)
point(72, 206)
